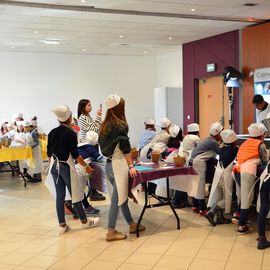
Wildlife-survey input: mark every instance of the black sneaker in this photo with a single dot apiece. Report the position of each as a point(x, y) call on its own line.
point(96, 196)
point(263, 244)
point(243, 229)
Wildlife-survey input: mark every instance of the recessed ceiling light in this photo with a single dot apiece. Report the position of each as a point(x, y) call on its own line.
point(192, 9)
point(145, 52)
point(35, 32)
point(170, 38)
point(12, 47)
point(83, 1)
point(50, 41)
point(121, 36)
point(83, 50)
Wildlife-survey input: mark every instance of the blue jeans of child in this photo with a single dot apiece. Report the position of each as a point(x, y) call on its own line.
point(114, 208)
point(61, 181)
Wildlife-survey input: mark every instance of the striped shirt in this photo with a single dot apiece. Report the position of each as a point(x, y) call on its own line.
point(86, 123)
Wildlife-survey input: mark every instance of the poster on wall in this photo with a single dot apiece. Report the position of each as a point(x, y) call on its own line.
point(262, 83)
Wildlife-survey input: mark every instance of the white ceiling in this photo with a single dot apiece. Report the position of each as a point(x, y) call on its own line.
point(80, 32)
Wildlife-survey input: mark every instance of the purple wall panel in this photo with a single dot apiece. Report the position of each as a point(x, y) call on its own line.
point(223, 50)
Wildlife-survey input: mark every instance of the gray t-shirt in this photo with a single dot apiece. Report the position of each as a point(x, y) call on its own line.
point(208, 144)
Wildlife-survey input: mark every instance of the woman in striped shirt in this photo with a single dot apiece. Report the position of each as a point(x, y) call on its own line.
point(87, 123)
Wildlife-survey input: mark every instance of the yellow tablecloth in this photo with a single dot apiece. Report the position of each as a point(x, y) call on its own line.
point(43, 146)
point(13, 154)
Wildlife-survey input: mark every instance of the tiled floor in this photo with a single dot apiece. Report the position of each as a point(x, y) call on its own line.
point(29, 239)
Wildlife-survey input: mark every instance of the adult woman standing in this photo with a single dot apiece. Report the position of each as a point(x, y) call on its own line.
point(87, 123)
point(115, 145)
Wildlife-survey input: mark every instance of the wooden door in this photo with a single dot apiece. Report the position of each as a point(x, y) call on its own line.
point(213, 104)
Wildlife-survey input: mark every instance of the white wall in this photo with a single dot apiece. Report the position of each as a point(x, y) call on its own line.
point(169, 69)
point(169, 75)
point(33, 83)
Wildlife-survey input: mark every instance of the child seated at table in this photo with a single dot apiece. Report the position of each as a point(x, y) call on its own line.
point(251, 154)
point(89, 153)
point(190, 141)
point(220, 198)
point(159, 141)
point(176, 137)
point(148, 134)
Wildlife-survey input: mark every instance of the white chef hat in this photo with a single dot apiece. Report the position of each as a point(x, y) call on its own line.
point(19, 123)
point(150, 121)
point(112, 101)
point(8, 125)
point(256, 130)
point(228, 136)
point(17, 115)
point(194, 127)
point(4, 121)
point(215, 128)
point(62, 112)
point(27, 123)
point(91, 137)
point(174, 130)
point(164, 122)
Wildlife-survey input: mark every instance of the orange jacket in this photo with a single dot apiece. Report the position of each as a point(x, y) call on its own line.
point(248, 150)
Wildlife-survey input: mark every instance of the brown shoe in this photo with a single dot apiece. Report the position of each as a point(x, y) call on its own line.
point(115, 236)
point(133, 228)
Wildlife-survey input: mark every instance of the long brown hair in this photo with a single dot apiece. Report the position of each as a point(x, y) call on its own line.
point(81, 106)
point(114, 116)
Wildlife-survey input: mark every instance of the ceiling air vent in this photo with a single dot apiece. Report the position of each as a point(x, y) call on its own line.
point(250, 4)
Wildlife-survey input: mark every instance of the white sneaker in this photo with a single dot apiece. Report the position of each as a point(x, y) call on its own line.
point(91, 222)
point(63, 229)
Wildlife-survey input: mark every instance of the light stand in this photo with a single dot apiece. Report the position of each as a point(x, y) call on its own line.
point(230, 85)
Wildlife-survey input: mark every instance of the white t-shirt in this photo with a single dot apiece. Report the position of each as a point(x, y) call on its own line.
point(262, 115)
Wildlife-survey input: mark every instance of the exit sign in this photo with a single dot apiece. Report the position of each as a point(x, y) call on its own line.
point(211, 67)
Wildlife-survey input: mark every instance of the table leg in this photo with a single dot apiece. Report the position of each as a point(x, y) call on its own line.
point(17, 169)
point(144, 207)
point(170, 203)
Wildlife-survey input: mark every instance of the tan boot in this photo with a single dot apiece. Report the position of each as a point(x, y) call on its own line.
point(133, 228)
point(115, 236)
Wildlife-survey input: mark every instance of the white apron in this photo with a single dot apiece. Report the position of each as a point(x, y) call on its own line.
point(37, 161)
point(199, 165)
point(222, 177)
point(248, 176)
point(77, 185)
point(120, 171)
point(263, 178)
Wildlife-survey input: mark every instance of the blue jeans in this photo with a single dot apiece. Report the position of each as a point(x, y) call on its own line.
point(61, 183)
point(114, 208)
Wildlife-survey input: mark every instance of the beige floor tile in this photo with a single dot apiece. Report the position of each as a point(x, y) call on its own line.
point(32, 248)
point(213, 254)
point(127, 266)
point(266, 259)
point(9, 246)
point(3, 254)
point(23, 238)
point(28, 268)
point(85, 252)
point(138, 258)
point(174, 262)
point(69, 263)
point(199, 264)
point(42, 261)
point(15, 258)
point(6, 267)
point(57, 250)
point(221, 245)
point(101, 265)
point(113, 255)
point(152, 248)
point(179, 251)
point(246, 257)
point(240, 266)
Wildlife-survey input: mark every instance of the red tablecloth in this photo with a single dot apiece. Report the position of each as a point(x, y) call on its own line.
point(160, 170)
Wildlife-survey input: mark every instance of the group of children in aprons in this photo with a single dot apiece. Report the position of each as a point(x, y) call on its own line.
point(240, 164)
